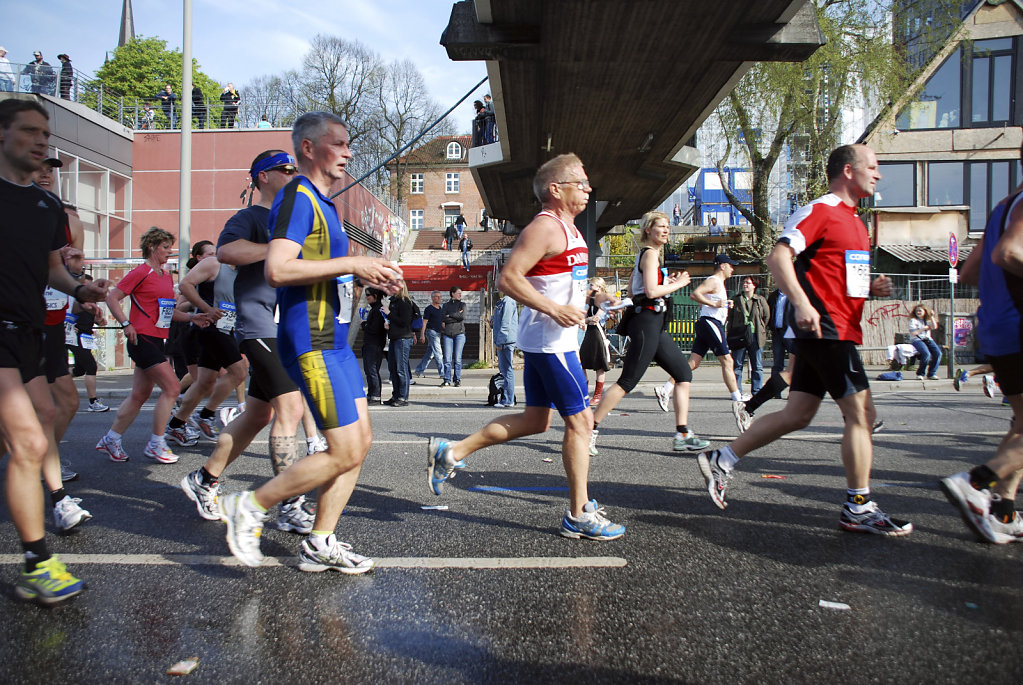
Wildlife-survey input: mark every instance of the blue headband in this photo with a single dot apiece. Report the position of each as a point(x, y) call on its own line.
point(280, 159)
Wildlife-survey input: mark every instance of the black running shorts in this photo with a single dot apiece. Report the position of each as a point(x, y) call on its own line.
point(268, 379)
point(828, 366)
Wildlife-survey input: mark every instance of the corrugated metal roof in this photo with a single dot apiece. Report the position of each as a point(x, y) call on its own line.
point(923, 253)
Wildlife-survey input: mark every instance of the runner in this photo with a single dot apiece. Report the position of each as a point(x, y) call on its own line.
point(710, 327)
point(986, 495)
point(650, 288)
point(151, 290)
point(546, 273)
point(272, 393)
point(32, 231)
point(308, 261)
point(827, 288)
point(209, 287)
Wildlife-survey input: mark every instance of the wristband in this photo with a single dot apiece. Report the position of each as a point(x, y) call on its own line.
point(77, 288)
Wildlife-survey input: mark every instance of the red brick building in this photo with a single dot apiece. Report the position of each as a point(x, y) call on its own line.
point(436, 184)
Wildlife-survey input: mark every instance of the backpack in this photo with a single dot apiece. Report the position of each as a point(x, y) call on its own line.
point(496, 388)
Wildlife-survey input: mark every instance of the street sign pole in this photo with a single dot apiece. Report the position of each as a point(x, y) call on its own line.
point(953, 278)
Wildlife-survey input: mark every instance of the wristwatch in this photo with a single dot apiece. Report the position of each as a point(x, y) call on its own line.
point(125, 323)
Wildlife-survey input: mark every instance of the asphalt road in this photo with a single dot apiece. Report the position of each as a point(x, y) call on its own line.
point(487, 591)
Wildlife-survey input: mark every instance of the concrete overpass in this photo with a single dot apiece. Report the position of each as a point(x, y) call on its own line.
point(624, 84)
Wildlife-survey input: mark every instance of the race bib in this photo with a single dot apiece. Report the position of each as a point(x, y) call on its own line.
point(70, 334)
point(166, 312)
point(857, 273)
point(88, 341)
point(225, 324)
point(579, 286)
point(54, 299)
point(345, 295)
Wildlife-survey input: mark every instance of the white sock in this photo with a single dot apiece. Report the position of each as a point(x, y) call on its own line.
point(319, 540)
point(736, 395)
point(112, 436)
point(668, 386)
point(157, 440)
point(310, 442)
point(726, 458)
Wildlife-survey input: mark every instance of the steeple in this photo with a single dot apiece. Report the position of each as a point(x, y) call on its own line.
point(127, 24)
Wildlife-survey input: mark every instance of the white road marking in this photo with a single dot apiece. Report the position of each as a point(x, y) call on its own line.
point(381, 562)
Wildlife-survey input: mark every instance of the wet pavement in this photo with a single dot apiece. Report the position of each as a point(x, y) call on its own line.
point(487, 591)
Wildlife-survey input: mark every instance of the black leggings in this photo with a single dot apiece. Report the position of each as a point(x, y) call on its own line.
point(648, 341)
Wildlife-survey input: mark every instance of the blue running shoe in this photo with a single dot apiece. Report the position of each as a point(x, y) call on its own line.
point(49, 584)
point(592, 524)
point(460, 464)
point(439, 464)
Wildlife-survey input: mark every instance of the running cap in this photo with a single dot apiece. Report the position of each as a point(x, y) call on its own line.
point(280, 159)
point(724, 259)
point(54, 162)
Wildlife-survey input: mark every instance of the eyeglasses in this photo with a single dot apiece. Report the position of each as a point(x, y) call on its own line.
point(584, 186)
point(286, 170)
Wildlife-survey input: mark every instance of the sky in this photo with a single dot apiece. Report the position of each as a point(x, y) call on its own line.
point(236, 40)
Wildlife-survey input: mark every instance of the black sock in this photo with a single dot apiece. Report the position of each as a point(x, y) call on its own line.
point(983, 478)
point(207, 413)
point(1003, 508)
point(207, 477)
point(35, 553)
point(93, 399)
point(58, 495)
point(595, 424)
point(683, 429)
point(175, 422)
point(774, 385)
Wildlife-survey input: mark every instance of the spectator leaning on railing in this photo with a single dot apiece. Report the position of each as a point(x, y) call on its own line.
point(6, 72)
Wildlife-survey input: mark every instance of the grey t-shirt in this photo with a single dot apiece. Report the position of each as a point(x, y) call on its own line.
point(253, 298)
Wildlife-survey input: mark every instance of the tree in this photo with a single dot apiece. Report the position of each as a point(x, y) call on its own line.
point(800, 105)
point(140, 68)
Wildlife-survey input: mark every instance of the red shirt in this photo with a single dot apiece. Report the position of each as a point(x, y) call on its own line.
point(146, 287)
point(832, 264)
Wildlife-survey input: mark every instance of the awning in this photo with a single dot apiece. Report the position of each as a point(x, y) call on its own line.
point(923, 253)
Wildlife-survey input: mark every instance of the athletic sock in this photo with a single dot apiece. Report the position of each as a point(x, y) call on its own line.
point(983, 478)
point(206, 477)
point(157, 440)
point(35, 554)
point(1002, 508)
point(92, 400)
point(727, 459)
point(683, 429)
point(668, 386)
point(205, 413)
point(113, 436)
point(58, 495)
point(309, 442)
point(736, 395)
point(318, 538)
point(175, 422)
point(857, 499)
point(254, 504)
point(774, 385)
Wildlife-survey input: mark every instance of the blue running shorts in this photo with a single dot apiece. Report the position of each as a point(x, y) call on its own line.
point(555, 380)
point(331, 381)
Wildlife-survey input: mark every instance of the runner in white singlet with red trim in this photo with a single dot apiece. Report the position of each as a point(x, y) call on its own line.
point(546, 273)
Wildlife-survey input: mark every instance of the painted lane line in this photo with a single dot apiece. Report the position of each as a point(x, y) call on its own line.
point(381, 562)
point(525, 488)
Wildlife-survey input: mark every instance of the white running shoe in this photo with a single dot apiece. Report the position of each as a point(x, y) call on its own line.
point(593, 443)
point(160, 453)
point(974, 505)
point(112, 448)
point(244, 526)
point(294, 517)
point(989, 385)
point(318, 445)
point(67, 514)
point(336, 556)
point(97, 406)
point(743, 419)
point(663, 398)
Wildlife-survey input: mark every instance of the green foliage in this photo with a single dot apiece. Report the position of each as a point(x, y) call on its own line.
point(141, 68)
point(620, 244)
point(479, 364)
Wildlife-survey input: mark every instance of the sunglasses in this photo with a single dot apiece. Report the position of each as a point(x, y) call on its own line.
point(287, 170)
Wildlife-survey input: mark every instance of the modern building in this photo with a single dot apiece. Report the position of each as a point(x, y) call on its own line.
point(435, 183)
point(708, 199)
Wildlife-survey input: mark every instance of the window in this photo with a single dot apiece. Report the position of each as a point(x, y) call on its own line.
point(451, 183)
point(450, 214)
point(417, 184)
point(989, 182)
point(897, 187)
point(938, 106)
point(991, 76)
point(944, 183)
point(416, 217)
point(454, 150)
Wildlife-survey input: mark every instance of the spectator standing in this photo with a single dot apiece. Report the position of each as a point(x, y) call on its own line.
point(676, 215)
point(41, 74)
point(6, 72)
point(478, 124)
point(489, 120)
point(199, 109)
point(714, 228)
point(506, 328)
point(433, 324)
point(465, 245)
point(147, 118)
point(450, 236)
point(67, 76)
point(920, 326)
point(167, 100)
point(747, 332)
point(263, 122)
point(401, 318)
point(453, 338)
point(374, 338)
point(485, 221)
point(229, 99)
